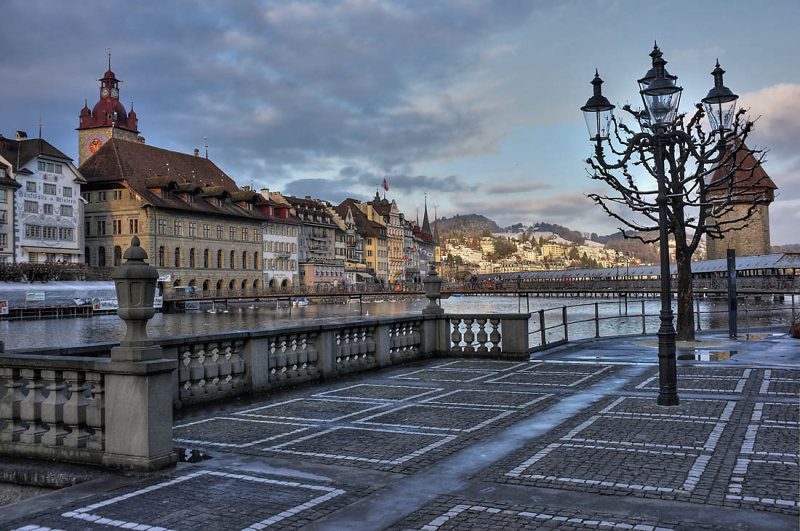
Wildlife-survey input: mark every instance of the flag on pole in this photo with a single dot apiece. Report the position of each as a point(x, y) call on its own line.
point(385, 184)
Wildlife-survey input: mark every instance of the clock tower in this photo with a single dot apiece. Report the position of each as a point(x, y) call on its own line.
point(108, 119)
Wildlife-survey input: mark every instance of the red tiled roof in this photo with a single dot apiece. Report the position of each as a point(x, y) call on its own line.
point(143, 168)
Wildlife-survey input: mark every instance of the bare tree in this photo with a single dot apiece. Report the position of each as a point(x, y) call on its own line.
point(714, 181)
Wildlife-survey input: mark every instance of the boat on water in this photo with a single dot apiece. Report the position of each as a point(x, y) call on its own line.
point(300, 301)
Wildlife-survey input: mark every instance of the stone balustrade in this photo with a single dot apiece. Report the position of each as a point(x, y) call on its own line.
point(55, 405)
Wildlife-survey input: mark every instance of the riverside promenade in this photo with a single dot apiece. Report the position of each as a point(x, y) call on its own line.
point(572, 439)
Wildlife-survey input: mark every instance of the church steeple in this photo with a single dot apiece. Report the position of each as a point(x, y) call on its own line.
point(426, 226)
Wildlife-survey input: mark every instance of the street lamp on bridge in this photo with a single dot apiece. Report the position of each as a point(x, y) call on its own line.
point(661, 98)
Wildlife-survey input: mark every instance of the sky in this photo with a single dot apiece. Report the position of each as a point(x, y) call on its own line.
point(474, 103)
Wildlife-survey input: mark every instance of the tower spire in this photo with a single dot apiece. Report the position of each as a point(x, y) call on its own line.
point(109, 57)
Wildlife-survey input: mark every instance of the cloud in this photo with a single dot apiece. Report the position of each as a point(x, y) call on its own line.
point(517, 188)
point(778, 111)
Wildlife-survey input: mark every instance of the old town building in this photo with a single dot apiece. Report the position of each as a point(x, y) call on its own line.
point(374, 238)
point(753, 189)
point(386, 213)
point(40, 203)
point(355, 267)
point(317, 264)
point(280, 243)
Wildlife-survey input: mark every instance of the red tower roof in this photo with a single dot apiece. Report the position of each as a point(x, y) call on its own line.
point(108, 110)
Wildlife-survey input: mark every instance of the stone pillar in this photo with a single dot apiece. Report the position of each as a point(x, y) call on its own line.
point(433, 290)
point(138, 381)
point(515, 336)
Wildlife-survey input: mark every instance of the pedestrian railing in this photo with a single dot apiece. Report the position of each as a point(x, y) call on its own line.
point(556, 326)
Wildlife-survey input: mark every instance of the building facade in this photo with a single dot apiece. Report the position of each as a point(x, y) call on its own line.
point(280, 243)
point(42, 221)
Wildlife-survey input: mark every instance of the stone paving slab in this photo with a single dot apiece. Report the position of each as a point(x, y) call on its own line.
point(201, 499)
point(692, 379)
point(459, 513)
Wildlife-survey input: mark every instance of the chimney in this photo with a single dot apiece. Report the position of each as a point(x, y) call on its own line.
point(196, 152)
point(244, 188)
point(265, 193)
point(22, 135)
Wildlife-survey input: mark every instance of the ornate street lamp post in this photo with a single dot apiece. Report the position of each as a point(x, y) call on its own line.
point(661, 98)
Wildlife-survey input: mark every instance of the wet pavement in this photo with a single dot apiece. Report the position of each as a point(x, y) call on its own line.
point(572, 439)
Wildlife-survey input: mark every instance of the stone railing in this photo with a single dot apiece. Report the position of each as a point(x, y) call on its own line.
point(110, 404)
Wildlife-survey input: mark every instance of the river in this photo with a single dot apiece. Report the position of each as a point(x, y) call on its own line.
point(76, 331)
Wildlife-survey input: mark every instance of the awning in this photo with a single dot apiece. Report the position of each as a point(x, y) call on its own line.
point(363, 275)
point(54, 250)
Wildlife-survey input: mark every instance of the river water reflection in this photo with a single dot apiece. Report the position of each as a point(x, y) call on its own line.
point(76, 331)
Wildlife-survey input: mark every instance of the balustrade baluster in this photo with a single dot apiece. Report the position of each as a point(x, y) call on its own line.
point(75, 410)
point(53, 407)
point(96, 410)
point(210, 362)
point(455, 335)
point(238, 367)
point(482, 336)
point(183, 372)
point(469, 336)
point(10, 405)
point(495, 336)
point(31, 407)
point(311, 354)
point(196, 370)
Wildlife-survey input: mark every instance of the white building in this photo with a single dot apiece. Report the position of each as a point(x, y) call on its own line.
point(280, 243)
point(47, 207)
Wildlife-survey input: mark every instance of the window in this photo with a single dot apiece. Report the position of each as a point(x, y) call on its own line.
point(33, 258)
point(101, 227)
point(177, 256)
point(50, 167)
point(66, 234)
point(219, 232)
point(117, 195)
point(3, 239)
point(66, 210)
point(206, 231)
point(49, 188)
point(30, 187)
point(255, 260)
point(66, 191)
point(87, 256)
point(233, 260)
point(31, 207)
point(3, 218)
point(101, 196)
point(245, 234)
point(219, 259)
point(117, 255)
point(48, 209)
point(161, 256)
point(192, 229)
point(256, 235)
point(205, 258)
point(233, 233)
point(86, 226)
point(178, 228)
point(49, 233)
point(191, 257)
point(162, 226)
point(133, 225)
point(244, 259)
point(117, 223)
point(33, 231)
point(87, 196)
point(3, 196)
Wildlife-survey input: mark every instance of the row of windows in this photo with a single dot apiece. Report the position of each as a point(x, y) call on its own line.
point(177, 230)
point(50, 233)
point(102, 195)
point(281, 264)
point(280, 247)
point(47, 189)
point(32, 207)
point(178, 259)
point(282, 230)
point(50, 167)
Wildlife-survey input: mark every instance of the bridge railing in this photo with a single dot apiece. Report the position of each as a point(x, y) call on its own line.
point(551, 327)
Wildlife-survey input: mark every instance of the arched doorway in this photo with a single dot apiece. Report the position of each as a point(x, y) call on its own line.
point(219, 285)
point(244, 285)
point(285, 283)
point(176, 283)
point(272, 283)
point(205, 285)
point(192, 283)
point(232, 284)
point(87, 256)
point(101, 256)
point(117, 256)
point(255, 284)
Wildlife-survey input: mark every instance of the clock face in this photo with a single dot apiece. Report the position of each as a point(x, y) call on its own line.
point(105, 93)
point(114, 93)
point(94, 144)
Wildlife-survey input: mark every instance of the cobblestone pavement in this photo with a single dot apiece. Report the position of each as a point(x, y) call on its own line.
point(559, 442)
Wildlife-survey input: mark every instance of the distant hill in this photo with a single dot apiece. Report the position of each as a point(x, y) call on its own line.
point(467, 225)
point(791, 248)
